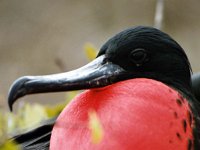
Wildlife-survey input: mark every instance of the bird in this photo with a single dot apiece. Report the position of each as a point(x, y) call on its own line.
point(196, 85)
point(140, 87)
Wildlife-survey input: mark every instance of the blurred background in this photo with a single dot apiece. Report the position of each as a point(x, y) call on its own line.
point(40, 37)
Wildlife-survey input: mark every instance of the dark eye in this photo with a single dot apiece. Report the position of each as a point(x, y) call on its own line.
point(138, 56)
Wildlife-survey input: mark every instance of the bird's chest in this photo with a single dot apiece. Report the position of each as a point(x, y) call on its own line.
point(140, 114)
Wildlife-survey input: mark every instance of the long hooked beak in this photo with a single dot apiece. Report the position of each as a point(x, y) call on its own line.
point(98, 73)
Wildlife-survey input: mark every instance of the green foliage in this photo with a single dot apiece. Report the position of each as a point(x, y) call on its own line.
point(4, 143)
point(9, 145)
point(27, 117)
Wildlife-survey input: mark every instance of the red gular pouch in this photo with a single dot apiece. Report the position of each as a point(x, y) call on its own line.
point(140, 114)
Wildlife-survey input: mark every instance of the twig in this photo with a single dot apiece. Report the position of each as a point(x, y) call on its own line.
point(158, 20)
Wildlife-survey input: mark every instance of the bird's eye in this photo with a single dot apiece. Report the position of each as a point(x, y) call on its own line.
point(138, 56)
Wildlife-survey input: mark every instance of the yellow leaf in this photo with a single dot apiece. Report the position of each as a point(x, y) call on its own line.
point(95, 127)
point(3, 128)
point(12, 121)
point(90, 51)
point(53, 111)
point(30, 115)
point(4, 143)
point(9, 145)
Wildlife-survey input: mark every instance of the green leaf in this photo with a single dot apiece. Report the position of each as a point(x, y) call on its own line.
point(9, 145)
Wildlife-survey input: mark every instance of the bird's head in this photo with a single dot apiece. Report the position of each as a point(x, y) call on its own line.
point(149, 52)
point(141, 52)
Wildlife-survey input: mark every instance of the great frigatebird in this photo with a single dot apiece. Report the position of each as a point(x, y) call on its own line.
point(140, 87)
